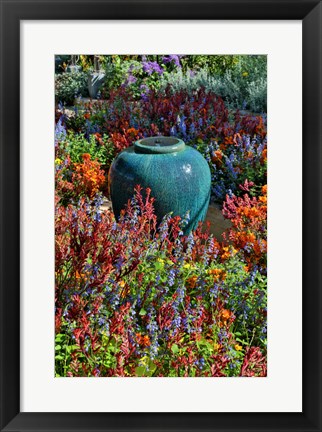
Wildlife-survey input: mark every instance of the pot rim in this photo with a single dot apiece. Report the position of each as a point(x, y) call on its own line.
point(159, 145)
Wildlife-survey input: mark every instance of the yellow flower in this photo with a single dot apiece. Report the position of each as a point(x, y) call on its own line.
point(58, 161)
point(160, 260)
point(238, 347)
point(245, 74)
point(187, 266)
point(125, 288)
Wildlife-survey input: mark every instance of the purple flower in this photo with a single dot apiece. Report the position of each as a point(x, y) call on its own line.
point(131, 79)
point(144, 92)
point(60, 132)
point(150, 67)
point(172, 59)
point(132, 67)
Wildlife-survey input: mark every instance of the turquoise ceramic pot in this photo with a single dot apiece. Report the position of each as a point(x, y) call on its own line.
point(178, 176)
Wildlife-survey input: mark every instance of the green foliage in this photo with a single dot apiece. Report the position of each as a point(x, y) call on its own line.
point(77, 144)
point(63, 350)
point(239, 79)
point(115, 73)
point(212, 64)
point(243, 85)
point(248, 299)
point(70, 85)
point(127, 71)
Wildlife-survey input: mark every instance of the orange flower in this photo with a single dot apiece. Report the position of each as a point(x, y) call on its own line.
point(264, 156)
point(226, 254)
point(132, 131)
point(79, 275)
point(143, 340)
point(218, 274)
point(125, 288)
point(226, 314)
point(217, 157)
point(229, 140)
point(225, 317)
point(192, 281)
point(88, 177)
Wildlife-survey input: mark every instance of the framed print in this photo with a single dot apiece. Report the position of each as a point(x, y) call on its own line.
point(160, 215)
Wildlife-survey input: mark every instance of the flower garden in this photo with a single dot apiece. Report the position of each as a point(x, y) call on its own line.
point(138, 298)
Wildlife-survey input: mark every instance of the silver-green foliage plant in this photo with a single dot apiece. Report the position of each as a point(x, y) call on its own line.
point(70, 85)
point(243, 86)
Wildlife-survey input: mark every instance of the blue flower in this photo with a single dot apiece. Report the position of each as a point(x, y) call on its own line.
point(60, 132)
point(171, 277)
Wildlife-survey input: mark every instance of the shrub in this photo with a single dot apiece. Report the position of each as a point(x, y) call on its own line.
point(249, 231)
point(98, 146)
point(87, 177)
point(70, 85)
point(73, 180)
point(242, 86)
point(238, 158)
point(212, 64)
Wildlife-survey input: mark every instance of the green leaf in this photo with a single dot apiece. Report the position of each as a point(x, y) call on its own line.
point(59, 357)
point(71, 348)
point(142, 312)
point(158, 265)
point(58, 347)
point(241, 341)
point(140, 371)
point(175, 349)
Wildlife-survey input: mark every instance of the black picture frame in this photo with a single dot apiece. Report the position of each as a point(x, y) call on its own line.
point(12, 12)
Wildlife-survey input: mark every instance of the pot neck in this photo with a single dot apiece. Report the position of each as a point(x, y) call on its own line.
point(159, 145)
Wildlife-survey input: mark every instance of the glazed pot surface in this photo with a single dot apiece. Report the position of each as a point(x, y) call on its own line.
point(178, 176)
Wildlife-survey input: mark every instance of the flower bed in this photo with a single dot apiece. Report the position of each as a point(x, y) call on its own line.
point(136, 300)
